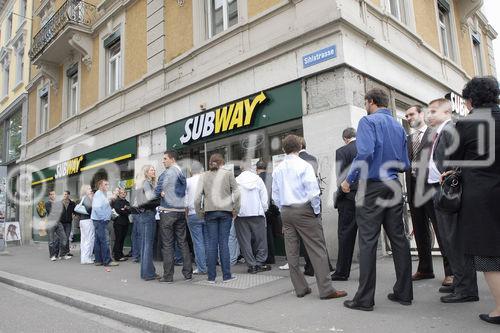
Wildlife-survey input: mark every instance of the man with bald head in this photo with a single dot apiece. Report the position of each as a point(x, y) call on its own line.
point(422, 211)
point(464, 288)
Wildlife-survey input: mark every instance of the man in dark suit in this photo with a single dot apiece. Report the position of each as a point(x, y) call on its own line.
point(313, 161)
point(419, 148)
point(464, 288)
point(346, 206)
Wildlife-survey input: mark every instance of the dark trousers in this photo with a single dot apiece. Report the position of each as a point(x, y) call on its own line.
point(347, 231)
point(371, 214)
point(420, 217)
point(67, 233)
point(57, 240)
point(462, 266)
point(121, 231)
point(173, 227)
point(270, 238)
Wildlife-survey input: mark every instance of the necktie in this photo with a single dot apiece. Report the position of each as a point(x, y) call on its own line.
point(415, 145)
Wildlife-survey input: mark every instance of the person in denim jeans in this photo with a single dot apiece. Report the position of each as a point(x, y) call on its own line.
point(101, 214)
point(135, 237)
point(221, 202)
point(146, 207)
point(197, 226)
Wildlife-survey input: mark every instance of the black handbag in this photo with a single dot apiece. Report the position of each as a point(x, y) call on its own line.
point(450, 194)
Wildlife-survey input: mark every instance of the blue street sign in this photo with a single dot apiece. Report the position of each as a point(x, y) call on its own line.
point(319, 56)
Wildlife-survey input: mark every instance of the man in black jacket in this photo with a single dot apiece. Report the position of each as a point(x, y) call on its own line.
point(68, 209)
point(346, 206)
point(464, 288)
point(422, 211)
point(120, 223)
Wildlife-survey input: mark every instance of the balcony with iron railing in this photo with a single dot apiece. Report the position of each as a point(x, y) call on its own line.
point(70, 25)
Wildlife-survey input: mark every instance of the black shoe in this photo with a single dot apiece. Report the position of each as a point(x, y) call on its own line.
point(69, 254)
point(167, 280)
point(188, 278)
point(264, 268)
point(253, 270)
point(492, 320)
point(446, 289)
point(457, 298)
point(307, 292)
point(355, 306)
point(339, 278)
point(128, 255)
point(309, 272)
point(394, 298)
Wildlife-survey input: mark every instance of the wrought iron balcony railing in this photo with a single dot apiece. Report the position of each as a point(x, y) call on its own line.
point(72, 11)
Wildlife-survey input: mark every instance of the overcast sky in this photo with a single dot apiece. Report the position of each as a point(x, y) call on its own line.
point(491, 8)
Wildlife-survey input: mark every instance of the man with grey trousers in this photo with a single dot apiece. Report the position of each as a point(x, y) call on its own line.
point(250, 224)
point(171, 187)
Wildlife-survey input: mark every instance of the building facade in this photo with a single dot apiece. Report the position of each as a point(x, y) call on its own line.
point(15, 43)
point(230, 76)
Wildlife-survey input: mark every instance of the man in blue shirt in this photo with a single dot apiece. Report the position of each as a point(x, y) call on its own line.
point(381, 154)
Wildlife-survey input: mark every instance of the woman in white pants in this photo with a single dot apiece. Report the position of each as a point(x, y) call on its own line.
point(87, 231)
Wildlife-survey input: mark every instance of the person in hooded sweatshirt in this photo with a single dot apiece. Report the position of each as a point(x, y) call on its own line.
point(250, 223)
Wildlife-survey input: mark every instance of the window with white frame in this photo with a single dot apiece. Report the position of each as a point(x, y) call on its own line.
point(8, 28)
point(5, 81)
point(22, 12)
point(43, 124)
point(73, 91)
point(445, 29)
point(477, 52)
point(20, 65)
point(399, 10)
point(114, 64)
point(221, 15)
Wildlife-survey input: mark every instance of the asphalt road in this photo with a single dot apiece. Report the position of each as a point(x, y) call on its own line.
point(22, 311)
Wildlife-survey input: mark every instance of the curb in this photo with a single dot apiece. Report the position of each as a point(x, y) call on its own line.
point(135, 315)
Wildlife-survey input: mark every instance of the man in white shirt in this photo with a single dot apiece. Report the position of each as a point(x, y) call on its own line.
point(296, 192)
point(464, 287)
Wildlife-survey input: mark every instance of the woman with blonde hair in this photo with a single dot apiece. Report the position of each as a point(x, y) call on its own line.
point(221, 202)
point(146, 203)
point(87, 231)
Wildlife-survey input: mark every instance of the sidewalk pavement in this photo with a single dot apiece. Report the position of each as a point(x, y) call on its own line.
point(261, 302)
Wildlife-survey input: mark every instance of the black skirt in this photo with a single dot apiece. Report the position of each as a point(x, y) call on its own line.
point(487, 264)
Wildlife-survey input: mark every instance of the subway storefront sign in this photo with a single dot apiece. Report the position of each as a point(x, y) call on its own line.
point(121, 151)
point(260, 110)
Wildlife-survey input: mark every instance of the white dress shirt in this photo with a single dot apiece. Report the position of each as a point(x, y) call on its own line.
point(295, 183)
point(434, 174)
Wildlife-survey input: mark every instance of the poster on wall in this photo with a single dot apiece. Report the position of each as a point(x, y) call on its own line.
point(12, 232)
point(2, 240)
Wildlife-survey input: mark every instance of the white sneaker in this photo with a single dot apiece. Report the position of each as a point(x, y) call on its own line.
point(230, 279)
point(66, 257)
point(285, 267)
point(211, 282)
point(53, 258)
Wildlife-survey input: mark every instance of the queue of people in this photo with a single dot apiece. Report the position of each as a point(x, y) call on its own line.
point(369, 197)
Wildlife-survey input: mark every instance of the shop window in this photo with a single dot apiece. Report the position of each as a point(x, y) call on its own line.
point(445, 29)
point(14, 135)
point(477, 52)
point(5, 82)
point(43, 124)
point(221, 14)
point(398, 9)
point(73, 91)
point(114, 70)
